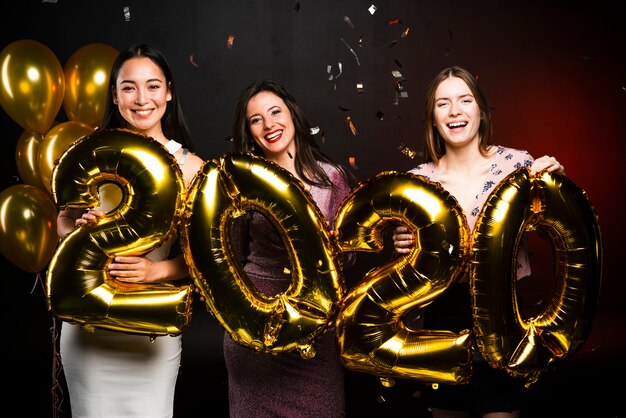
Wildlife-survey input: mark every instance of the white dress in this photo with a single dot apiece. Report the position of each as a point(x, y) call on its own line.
point(118, 375)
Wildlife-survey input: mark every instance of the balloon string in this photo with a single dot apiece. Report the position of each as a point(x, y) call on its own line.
point(57, 368)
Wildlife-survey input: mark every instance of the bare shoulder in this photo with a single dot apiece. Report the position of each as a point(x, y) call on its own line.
point(192, 165)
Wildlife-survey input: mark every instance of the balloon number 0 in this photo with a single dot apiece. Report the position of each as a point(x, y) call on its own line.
point(371, 332)
point(221, 196)
point(78, 286)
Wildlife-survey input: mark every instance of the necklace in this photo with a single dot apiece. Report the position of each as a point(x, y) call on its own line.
point(172, 146)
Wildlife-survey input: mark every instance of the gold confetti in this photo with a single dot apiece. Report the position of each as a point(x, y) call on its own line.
point(407, 151)
point(359, 87)
point(351, 125)
point(352, 161)
point(405, 33)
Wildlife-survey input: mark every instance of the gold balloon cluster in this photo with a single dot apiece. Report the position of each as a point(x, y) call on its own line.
point(33, 87)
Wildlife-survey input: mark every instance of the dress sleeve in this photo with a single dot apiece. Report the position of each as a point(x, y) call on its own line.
point(339, 192)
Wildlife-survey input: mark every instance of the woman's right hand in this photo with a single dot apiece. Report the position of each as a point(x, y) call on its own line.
point(89, 216)
point(402, 240)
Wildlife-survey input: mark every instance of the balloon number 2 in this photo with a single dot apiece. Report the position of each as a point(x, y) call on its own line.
point(78, 286)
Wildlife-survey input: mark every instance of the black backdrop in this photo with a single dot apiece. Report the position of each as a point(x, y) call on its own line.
point(554, 73)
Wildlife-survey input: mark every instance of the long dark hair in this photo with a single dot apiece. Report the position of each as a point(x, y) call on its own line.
point(173, 122)
point(435, 147)
point(308, 152)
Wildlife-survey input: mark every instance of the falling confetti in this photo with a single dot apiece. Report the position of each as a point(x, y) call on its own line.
point(230, 41)
point(127, 13)
point(395, 41)
point(407, 151)
point(49, 1)
point(359, 88)
point(349, 22)
point(315, 130)
point(351, 125)
point(388, 382)
point(351, 50)
point(396, 74)
point(191, 60)
point(352, 161)
point(380, 115)
point(372, 9)
point(394, 22)
point(329, 68)
point(398, 63)
point(344, 109)
point(405, 33)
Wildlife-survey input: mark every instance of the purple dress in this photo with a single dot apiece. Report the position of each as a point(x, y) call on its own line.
point(284, 385)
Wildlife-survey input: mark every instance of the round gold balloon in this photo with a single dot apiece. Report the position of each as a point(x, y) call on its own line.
point(86, 83)
point(371, 331)
point(31, 84)
point(27, 159)
point(55, 142)
point(79, 288)
point(555, 206)
point(28, 227)
point(222, 192)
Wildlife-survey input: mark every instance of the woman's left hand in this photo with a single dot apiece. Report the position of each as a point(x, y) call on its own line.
point(546, 163)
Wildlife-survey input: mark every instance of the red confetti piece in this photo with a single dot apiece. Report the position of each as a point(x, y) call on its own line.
point(230, 41)
point(352, 161)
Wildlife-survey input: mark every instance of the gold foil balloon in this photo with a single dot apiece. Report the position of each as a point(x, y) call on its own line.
point(28, 221)
point(86, 83)
point(31, 84)
point(27, 159)
point(55, 142)
point(222, 192)
point(79, 287)
point(371, 331)
point(554, 206)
